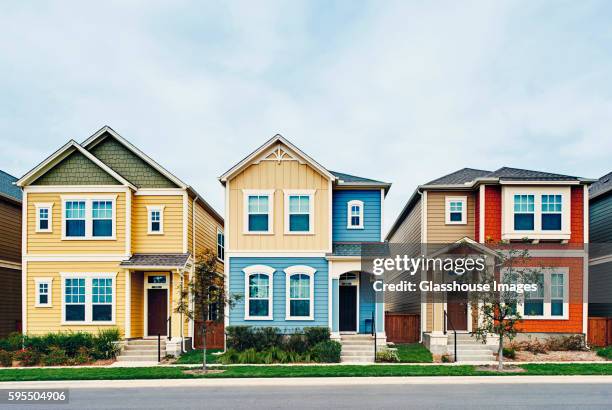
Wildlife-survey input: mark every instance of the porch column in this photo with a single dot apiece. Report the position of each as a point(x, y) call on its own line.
point(335, 304)
point(127, 333)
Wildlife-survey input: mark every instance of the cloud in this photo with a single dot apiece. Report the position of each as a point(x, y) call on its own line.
point(399, 91)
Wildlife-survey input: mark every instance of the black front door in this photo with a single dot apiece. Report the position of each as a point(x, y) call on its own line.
point(157, 311)
point(348, 308)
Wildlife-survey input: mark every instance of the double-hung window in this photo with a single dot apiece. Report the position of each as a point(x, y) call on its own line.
point(155, 217)
point(557, 294)
point(355, 214)
point(299, 211)
point(534, 300)
point(258, 289)
point(88, 218)
point(258, 216)
point(550, 299)
point(44, 217)
point(43, 292)
point(300, 292)
point(456, 210)
point(524, 209)
point(552, 208)
point(220, 244)
point(88, 298)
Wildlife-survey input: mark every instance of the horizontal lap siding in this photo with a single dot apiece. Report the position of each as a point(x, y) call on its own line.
point(137, 305)
point(42, 320)
point(371, 216)
point(437, 229)
point(367, 301)
point(236, 286)
point(10, 229)
point(206, 232)
point(171, 241)
point(10, 300)
point(52, 243)
point(600, 215)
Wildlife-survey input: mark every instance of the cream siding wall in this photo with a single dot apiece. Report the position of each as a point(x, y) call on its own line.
point(171, 241)
point(279, 176)
point(41, 320)
point(52, 243)
point(437, 230)
point(137, 304)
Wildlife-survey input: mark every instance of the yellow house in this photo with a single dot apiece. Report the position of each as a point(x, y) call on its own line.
point(109, 238)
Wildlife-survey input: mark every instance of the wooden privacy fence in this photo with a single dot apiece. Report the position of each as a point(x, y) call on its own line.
point(402, 327)
point(214, 335)
point(600, 331)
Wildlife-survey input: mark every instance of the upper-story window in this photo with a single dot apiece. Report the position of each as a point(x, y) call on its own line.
point(552, 208)
point(524, 212)
point(44, 217)
point(355, 215)
point(299, 209)
point(258, 216)
point(220, 244)
point(89, 218)
point(155, 219)
point(456, 210)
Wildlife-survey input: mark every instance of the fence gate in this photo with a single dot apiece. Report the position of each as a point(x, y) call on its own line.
point(402, 327)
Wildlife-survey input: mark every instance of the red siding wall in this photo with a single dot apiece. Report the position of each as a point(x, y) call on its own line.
point(477, 217)
point(577, 214)
point(493, 213)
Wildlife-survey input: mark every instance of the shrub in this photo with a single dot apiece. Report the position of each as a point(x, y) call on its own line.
point(445, 358)
point(6, 358)
point(509, 352)
point(315, 335)
point(533, 346)
point(55, 357)
point(566, 343)
point(83, 356)
point(296, 343)
point(229, 357)
point(240, 338)
point(327, 351)
point(27, 357)
point(266, 337)
point(105, 344)
point(387, 356)
point(605, 352)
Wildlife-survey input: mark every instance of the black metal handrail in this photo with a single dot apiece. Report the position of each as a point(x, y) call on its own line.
point(169, 323)
point(450, 322)
point(374, 334)
point(159, 347)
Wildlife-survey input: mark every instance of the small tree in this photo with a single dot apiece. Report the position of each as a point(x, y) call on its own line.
point(498, 312)
point(207, 290)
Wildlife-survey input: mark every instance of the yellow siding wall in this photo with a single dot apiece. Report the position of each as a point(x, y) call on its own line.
point(52, 243)
point(205, 232)
point(279, 176)
point(437, 230)
point(171, 240)
point(137, 304)
point(42, 320)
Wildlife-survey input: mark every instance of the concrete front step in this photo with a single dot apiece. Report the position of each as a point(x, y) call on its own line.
point(358, 347)
point(143, 353)
point(356, 359)
point(143, 347)
point(130, 358)
point(369, 353)
point(146, 342)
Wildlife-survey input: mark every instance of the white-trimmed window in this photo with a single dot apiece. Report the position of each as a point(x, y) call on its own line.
point(550, 300)
point(91, 218)
point(258, 289)
point(456, 210)
point(155, 218)
point(299, 211)
point(88, 298)
point(524, 212)
point(354, 214)
point(44, 217)
point(299, 298)
point(220, 244)
point(258, 211)
point(43, 292)
point(552, 211)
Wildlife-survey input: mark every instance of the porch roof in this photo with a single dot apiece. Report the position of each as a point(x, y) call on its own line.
point(157, 260)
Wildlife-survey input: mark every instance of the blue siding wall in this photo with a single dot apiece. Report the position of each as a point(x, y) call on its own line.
point(367, 300)
point(372, 217)
point(600, 223)
point(236, 286)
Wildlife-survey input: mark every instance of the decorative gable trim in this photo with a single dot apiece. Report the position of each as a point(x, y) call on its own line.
point(279, 149)
point(61, 154)
point(98, 137)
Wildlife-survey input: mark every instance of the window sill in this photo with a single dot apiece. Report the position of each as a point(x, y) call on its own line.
point(299, 318)
point(565, 317)
point(299, 233)
point(91, 323)
point(455, 223)
point(43, 306)
point(44, 231)
point(155, 233)
point(536, 235)
point(89, 238)
point(354, 227)
point(258, 233)
point(258, 318)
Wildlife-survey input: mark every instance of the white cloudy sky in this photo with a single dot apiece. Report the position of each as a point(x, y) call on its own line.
point(400, 91)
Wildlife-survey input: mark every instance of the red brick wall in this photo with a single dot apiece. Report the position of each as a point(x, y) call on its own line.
point(577, 214)
point(493, 213)
point(574, 322)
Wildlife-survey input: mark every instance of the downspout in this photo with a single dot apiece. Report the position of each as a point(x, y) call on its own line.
point(423, 319)
point(193, 248)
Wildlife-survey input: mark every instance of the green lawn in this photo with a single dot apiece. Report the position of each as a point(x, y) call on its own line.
point(414, 353)
point(293, 371)
point(605, 352)
point(195, 357)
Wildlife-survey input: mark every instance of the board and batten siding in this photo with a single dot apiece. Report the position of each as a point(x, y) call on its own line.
point(52, 243)
point(10, 229)
point(237, 283)
point(171, 241)
point(268, 175)
point(371, 216)
point(41, 320)
point(437, 229)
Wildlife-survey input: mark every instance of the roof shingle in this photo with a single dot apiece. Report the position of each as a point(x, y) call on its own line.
point(175, 260)
point(603, 185)
point(7, 186)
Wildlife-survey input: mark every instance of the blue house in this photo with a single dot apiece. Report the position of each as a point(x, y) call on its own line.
point(294, 231)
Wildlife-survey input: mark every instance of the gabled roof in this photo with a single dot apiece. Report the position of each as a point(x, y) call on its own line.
point(8, 188)
point(102, 133)
point(271, 144)
point(518, 174)
point(601, 186)
point(59, 155)
point(355, 181)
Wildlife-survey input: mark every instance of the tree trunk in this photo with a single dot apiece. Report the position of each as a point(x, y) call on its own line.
point(500, 354)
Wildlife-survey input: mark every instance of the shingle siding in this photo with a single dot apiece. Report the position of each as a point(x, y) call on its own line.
point(76, 169)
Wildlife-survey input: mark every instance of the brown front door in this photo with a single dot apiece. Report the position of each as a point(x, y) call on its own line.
point(457, 310)
point(157, 311)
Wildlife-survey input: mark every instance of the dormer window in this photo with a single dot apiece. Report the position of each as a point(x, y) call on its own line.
point(524, 209)
point(355, 215)
point(456, 210)
point(551, 212)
